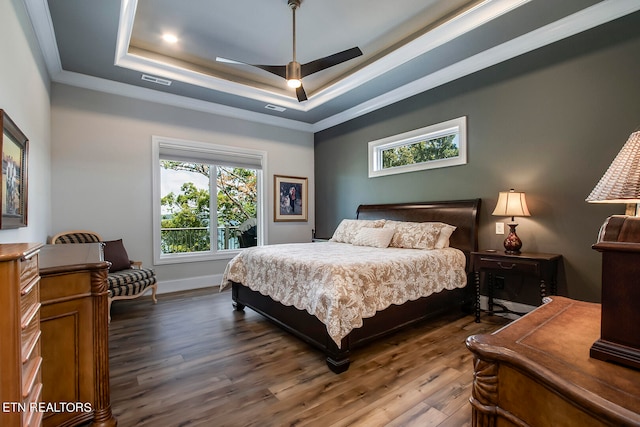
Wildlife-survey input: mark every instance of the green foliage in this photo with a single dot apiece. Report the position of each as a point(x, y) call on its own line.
point(236, 201)
point(420, 152)
point(237, 195)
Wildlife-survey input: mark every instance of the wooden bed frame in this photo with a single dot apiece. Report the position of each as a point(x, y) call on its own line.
point(462, 213)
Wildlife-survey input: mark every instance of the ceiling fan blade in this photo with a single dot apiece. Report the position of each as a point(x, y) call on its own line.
point(278, 70)
point(330, 61)
point(229, 61)
point(301, 94)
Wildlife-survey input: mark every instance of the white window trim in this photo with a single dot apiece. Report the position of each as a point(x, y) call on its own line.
point(449, 127)
point(262, 214)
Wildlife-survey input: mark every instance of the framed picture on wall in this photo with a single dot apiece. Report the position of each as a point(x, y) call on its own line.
point(290, 202)
point(13, 192)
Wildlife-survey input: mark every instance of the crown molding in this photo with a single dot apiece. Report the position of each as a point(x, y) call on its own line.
point(583, 20)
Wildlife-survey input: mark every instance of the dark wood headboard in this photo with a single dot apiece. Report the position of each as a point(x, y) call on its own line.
point(460, 213)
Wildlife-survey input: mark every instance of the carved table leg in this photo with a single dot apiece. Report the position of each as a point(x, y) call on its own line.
point(103, 416)
point(484, 394)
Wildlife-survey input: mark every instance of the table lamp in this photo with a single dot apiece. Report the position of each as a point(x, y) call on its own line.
point(511, 203)
point(621, 182)
point(619, 243)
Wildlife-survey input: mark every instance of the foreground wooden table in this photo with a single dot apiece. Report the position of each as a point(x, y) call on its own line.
point(537, 371)
point(75, 337)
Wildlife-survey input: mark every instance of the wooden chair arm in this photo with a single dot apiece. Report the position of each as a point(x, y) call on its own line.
point(136, 264)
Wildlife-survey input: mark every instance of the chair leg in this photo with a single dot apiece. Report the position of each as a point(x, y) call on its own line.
point(153, 292)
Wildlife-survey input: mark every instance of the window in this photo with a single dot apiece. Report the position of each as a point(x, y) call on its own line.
point(436, 146)
point(208, 200)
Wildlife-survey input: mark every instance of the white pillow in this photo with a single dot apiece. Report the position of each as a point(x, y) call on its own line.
point(443, 238)
point(348, 229)
point(374, 237)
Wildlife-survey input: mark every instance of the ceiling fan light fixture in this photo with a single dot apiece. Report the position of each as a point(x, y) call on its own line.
point(293, 74)
point(294, 71)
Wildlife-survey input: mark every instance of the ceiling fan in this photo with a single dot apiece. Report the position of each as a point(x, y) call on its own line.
point(293, 72)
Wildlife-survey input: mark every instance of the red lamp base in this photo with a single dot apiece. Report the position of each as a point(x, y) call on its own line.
point(512, 243)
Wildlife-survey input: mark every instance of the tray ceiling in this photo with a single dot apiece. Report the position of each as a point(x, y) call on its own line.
point(409, 46)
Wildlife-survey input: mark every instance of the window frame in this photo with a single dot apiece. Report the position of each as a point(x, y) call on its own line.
point(196, 148)
point(456, 126)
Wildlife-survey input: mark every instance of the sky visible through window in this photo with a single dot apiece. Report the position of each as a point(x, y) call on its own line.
point(172, 180)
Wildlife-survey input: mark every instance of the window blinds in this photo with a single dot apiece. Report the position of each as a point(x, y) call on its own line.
point(196, 152)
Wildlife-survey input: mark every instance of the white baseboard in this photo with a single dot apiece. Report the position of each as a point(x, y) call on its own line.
point(513, 306)
point(167, 286)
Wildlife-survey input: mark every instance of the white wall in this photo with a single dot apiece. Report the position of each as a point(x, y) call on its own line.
point(102, 178)
point(24, 95)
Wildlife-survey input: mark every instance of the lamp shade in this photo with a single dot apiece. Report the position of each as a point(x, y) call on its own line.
point(511, 203)
point(621, 182)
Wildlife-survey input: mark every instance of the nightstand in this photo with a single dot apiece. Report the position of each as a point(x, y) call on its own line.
point(541, 266)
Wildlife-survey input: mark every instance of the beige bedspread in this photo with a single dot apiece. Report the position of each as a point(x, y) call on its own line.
point(340, 283)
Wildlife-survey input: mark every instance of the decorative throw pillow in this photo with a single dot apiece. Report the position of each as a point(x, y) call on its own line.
point(348, 229)
point(445, 233)
point(375, 237)
point(115, 253)
point(415, 235)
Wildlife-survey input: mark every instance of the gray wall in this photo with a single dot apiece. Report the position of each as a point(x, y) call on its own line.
point(24, 95)
point(547, 123)
point(101, 164)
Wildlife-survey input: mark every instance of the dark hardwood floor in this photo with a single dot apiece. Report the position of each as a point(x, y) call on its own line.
point(191, 360)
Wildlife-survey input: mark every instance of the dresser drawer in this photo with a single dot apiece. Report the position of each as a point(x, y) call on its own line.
point(29, 417)
point(508, 264)
point(30, 315)
point(29, 295)
point(30, 340)
point(31, 375)
point(28, 269)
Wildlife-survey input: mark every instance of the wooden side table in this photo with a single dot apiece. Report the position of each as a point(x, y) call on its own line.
point(537, 372)
point(542, 266)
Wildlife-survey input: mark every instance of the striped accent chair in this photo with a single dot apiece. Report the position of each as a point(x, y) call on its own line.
point(126, 279)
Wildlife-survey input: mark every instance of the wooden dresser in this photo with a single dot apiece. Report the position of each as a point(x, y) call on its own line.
point(20, 375)
point(537, 371)
point(75, 335)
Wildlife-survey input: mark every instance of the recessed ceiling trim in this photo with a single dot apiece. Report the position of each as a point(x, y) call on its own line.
point(583, 20)
point(455, 27)
point(125, 27)
point(38, 11)
point(151, 95)
point(145, 65)
point(151, 66)
point(593, 16)
point(445, 32)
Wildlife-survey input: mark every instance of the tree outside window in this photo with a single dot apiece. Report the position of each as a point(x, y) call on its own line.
point(186, 211)
point(420, 152)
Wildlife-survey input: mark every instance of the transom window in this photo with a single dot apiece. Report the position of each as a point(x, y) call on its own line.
point(208, 200)
point(436, 146)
